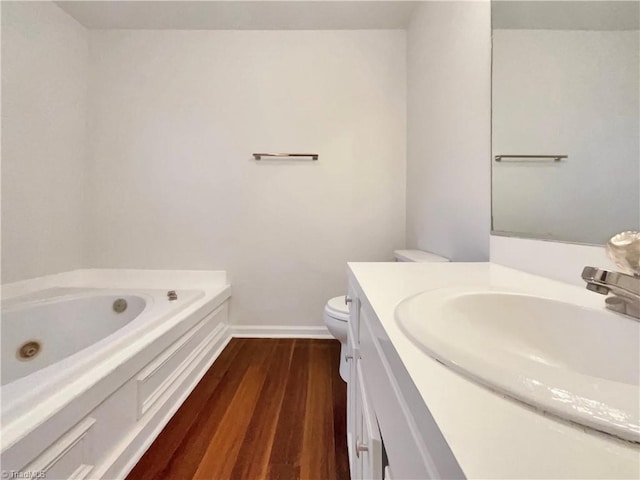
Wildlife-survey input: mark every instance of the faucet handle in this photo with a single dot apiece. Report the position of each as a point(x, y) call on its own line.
point(624, 250)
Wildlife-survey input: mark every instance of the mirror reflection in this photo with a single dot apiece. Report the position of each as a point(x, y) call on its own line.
point(565, 119)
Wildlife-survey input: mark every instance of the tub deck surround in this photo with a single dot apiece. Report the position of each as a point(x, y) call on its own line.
point(490, 435)
point(268, 408)
point(123, 386)
point(118, 278)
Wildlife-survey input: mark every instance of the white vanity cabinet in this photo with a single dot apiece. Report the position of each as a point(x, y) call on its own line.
point(434, 423)
point(353, 355)
point(390, 431)
point(363, 436)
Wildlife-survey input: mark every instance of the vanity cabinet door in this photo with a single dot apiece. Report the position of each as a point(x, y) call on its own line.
point(363, 436)
point(352, 401)
point(355, 458)
point(368, 443)
point(353, 355)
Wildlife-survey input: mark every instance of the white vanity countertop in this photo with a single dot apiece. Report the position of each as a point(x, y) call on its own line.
point(490, 435)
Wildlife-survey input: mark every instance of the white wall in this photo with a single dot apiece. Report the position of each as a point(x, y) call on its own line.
point(556, 260)
point(174, 119)
point(44, 73)
point(448, 168)
point(575, 93)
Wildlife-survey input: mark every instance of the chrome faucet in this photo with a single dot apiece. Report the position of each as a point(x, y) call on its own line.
point(624, 289)
point(624, 251)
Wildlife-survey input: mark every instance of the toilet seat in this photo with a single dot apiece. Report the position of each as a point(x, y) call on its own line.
point(418, 256)
point(336, 308)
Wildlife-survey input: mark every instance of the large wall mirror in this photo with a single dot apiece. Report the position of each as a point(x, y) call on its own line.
point(565, 119)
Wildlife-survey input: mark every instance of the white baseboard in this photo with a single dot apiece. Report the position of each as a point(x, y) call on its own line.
point(278, 331)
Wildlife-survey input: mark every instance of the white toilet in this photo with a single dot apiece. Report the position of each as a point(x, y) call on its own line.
point(336, 311)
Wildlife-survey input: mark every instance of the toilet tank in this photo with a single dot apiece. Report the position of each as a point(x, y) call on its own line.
point(417, 256)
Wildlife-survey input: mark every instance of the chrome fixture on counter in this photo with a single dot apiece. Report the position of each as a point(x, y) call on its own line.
point(624, 250)
point(172, 295)
point(624, 289)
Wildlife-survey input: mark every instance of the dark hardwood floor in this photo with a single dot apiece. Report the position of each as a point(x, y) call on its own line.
point(267, 408)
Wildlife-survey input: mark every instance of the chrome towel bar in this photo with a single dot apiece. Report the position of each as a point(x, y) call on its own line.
point(555, 158)
point(259, 156)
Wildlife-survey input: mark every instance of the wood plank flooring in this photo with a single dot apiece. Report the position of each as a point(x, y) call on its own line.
point(266, 409)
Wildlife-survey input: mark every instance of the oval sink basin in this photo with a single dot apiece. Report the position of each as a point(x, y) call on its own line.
point(580, 364)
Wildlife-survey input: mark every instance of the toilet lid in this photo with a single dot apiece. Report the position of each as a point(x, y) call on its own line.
point(337, 309)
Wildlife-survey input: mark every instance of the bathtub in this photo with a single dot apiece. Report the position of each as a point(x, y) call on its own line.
point(75, 328)
point(74, 353)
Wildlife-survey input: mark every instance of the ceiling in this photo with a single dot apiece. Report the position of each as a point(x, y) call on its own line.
point(240, 15)
point(566, 15)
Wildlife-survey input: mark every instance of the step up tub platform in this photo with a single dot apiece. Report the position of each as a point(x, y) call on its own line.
point(95, 363)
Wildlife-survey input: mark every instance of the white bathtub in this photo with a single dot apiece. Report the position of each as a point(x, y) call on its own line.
point(90, 355)
point(77, 328)
point(60, 327)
